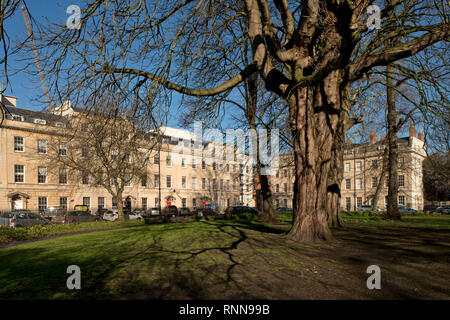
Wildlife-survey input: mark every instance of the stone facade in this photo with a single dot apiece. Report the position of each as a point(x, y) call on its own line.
point(28, 181)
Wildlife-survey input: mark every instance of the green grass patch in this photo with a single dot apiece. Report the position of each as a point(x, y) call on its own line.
point(8, 235)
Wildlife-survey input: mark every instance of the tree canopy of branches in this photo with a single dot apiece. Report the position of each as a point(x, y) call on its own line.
point(307, 52)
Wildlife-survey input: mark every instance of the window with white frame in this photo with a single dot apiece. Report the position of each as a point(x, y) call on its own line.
point(101, 202)
point(42, 146)
point(347, 167)
point(168, 161)
point(194, 203)
point(359, 202)
point(19, 173)
point(19, 145)
point(85, 178)
point(277, 188)
point(156, 159)
point(348, 203)
point(144, 203)
point(194, 183)
point(169, 181)
point(285, 187)
point(401, 180)
point(374, 182)
point(348, 184)
point(144, 180)
point(156, 184)
point(62, 149)
point(183, 162)
point(401, 162)
point(63, 202)
point(214, 166)
point(203, 164)
point(63, 176)
point(203, 183)
point(194, 164)
point(285, 203)
point(87, 201)
point(358, 183)
point(358, 165)
point(401, 200)
point(183, 202)
point(42, 203)
point(183, 182)
point(42, 175)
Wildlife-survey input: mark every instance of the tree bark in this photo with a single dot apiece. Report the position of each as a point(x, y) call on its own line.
point(380, 182)
point(314, 115)
point(119, 201)
point(392, 205)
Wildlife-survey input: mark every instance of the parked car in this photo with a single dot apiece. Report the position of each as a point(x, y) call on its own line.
point(211, 206)
point(200, 212)
point(80, 216)
point(141, 212)
point(171, 210)
point(101, 211)
point(133, 215)
point(111, 215)
point(405, 209)
point(21, 219)
point(185, 212)
point(368, 208)
point(155, 212)
point(430, 208)
point(81, 207)
point(444, 210)
point(54, 214)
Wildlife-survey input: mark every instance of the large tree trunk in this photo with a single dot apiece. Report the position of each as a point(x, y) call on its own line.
point(314, 115)
point(380, 181)
point(392, 205)
point(119, 200)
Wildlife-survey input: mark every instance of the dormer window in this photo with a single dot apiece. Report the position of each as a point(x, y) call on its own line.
point(40, 121)
point(17, 117)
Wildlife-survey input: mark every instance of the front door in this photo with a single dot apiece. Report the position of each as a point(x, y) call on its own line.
point(128, 203)
point(17, 204)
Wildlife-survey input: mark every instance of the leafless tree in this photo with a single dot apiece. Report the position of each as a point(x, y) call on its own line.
point(102, 148)
point(306, 52)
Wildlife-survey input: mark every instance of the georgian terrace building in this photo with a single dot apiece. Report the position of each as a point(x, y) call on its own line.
point(28, 182)
point(362, 170)
point(363, 167)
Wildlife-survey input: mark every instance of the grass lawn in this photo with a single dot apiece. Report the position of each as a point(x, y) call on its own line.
point(230, 260)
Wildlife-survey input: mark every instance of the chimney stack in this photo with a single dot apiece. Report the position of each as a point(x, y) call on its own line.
point(421, 136)
point(412, 130)
point(373, 137)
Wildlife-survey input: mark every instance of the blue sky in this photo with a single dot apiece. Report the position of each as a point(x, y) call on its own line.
point(27, 88)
